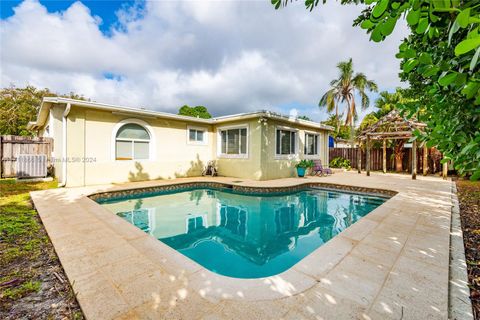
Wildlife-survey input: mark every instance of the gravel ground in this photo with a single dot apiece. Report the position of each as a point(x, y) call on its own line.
point(469, 197)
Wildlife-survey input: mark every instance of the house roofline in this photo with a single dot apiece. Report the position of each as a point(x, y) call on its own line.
point(47, 102)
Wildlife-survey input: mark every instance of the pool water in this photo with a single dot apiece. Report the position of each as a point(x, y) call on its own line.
point(245, 236)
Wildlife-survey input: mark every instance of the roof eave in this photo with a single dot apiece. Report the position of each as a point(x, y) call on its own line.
point(272, 115)
point(48, 101)
point(123, 109)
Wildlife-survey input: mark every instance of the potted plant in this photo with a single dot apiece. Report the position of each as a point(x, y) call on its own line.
point(302, 167)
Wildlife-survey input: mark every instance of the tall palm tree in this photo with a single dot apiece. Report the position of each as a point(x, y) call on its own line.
point(344, 90)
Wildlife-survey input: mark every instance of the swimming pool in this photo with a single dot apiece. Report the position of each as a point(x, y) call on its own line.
point(244, 235)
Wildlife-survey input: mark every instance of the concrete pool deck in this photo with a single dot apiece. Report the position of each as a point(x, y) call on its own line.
point(393, 263)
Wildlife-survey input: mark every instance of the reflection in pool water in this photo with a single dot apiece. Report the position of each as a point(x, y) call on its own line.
point(245, 236)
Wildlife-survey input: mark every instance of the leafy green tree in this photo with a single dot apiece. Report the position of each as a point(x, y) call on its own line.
point(341, 131)
point(18, 106)
point(344, 89)
point(440, 60)
point(304, 118)
point(197, 112)
point(385, 103)
point(369, 120)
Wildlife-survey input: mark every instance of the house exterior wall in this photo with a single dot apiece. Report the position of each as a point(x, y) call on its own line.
point(55, 128)
point(276, 167)
point(90, 152)
point(244, 168)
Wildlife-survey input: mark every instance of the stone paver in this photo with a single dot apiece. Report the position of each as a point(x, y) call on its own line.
point(393, 263)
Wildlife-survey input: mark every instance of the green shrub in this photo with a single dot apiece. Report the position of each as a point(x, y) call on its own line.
point(340, 162)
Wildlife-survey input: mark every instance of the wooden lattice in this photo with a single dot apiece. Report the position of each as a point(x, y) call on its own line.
point(392, 126)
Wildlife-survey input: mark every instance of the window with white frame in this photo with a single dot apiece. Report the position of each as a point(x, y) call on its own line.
point(285, 142)
point(132, 142)
point(197, 135)
point(311, 144)
point(234, 219)
point(233, 141)
point(195, 222)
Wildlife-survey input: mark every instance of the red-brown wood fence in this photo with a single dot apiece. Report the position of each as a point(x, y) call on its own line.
point(376, 158)
point(12, 146)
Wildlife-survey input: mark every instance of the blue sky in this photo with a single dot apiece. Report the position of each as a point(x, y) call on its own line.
point(231, 56)
point(104, 9)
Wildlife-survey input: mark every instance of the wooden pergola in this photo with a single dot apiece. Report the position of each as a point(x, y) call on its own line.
point(393, 127)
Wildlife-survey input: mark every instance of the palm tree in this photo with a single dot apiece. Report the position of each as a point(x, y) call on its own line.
point(344, 89)
point(387, 101)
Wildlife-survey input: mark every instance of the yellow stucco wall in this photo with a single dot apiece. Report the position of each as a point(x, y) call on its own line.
point(55, 124)
point(245, 168)
point(91, 148)
point(276, 167)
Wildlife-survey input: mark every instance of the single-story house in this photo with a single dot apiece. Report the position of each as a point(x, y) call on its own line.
point(97, 143)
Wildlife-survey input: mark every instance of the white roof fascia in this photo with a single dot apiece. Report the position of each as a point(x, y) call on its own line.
point(157, 114)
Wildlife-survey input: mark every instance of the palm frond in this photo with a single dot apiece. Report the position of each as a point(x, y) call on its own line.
point(372, 85)
point(334, 83)
point(365, 100)
point(346, 69)
point(328, 100)
point(360, 81)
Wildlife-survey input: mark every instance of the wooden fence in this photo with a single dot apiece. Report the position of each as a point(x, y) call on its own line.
point(376, 159)
point(12, 146)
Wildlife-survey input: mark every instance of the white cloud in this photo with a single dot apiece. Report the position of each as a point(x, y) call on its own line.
point(229, 56)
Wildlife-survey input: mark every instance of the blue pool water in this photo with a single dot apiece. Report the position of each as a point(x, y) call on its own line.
point(245, 236)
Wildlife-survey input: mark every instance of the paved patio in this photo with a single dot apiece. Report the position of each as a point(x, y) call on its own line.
point(393, 263)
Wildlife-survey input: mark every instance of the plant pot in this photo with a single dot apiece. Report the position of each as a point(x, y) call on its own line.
point(301, 172)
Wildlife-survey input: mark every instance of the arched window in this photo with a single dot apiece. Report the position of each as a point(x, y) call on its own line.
point(132, 142)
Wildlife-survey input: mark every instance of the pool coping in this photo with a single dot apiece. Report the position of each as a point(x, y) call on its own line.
point(238, 284)
point(306, 274)
point(239, 189)
point(460, 305)
point(256, 292)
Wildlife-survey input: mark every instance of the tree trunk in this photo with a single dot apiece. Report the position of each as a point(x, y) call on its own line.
point(352, 124)
point(398, 154)
point(338, 120)
point(352, 136)
point(425, 159)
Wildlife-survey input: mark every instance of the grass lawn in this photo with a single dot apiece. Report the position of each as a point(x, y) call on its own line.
point(32, 282)
point(469, 198)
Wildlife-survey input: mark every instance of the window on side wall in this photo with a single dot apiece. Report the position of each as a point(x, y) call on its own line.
point(311, 144)
point(233, 142)
point(197, 135)
point(132, 142)
point(285, 142)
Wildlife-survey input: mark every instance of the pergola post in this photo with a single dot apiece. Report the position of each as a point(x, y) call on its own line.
point(425, 159)
point(445, 170)
point(384, 156)
point(392, 126)
point(359, 158)
point(367, 164)
point(414, 159)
